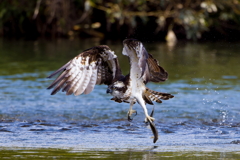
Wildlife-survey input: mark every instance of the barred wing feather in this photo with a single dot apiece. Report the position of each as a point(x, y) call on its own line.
point(97, 65)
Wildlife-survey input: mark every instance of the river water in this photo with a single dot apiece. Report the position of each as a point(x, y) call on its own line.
point(201, 121)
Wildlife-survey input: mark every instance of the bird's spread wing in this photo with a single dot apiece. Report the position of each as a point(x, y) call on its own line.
point(157, 73)
point(97, 65)
point(149, 67)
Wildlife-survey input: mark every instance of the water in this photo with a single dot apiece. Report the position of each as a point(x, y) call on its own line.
point(201, 121)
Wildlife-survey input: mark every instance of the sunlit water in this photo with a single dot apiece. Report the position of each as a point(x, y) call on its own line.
point(204, 115)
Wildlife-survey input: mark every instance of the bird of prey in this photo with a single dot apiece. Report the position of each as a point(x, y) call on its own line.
point(99, 65)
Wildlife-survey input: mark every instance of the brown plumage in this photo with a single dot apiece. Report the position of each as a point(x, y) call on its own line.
point(99, 65)
point(83, 72)
point(157, 73)
point(150, 95)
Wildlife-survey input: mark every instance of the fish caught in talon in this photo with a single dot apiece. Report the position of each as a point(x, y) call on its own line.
point(154, 131)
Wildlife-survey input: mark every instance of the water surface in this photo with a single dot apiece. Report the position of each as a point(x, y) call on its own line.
point(203, 118)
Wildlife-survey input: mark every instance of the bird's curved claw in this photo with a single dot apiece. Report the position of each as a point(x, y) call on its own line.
point(150, 117)
point(130, 112)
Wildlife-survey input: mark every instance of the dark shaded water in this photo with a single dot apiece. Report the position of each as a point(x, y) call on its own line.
point(202, 120)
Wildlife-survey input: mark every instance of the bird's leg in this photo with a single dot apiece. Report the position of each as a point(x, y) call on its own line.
point(131, 111)
point(149, 119)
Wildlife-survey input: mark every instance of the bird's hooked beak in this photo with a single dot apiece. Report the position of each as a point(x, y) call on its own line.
point(109, 90)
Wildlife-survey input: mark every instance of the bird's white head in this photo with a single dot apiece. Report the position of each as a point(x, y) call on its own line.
point(117, 89)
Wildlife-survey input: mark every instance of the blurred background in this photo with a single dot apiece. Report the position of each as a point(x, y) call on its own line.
point(145, 20)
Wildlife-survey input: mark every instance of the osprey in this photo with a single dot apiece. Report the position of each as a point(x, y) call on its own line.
point(99, 65)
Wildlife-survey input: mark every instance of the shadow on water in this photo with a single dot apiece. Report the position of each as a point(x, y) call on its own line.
point(202, 120)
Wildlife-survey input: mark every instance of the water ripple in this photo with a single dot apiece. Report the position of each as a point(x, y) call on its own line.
point(199, 114)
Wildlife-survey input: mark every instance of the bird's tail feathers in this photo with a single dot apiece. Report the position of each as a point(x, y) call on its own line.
point(150, 95)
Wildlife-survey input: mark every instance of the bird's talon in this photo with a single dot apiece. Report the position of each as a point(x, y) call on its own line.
point(130, 119)
point(149, 119)
point(130, 112)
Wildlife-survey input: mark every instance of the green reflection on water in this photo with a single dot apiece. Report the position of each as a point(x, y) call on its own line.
point(210, 61)
point(111, 155)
